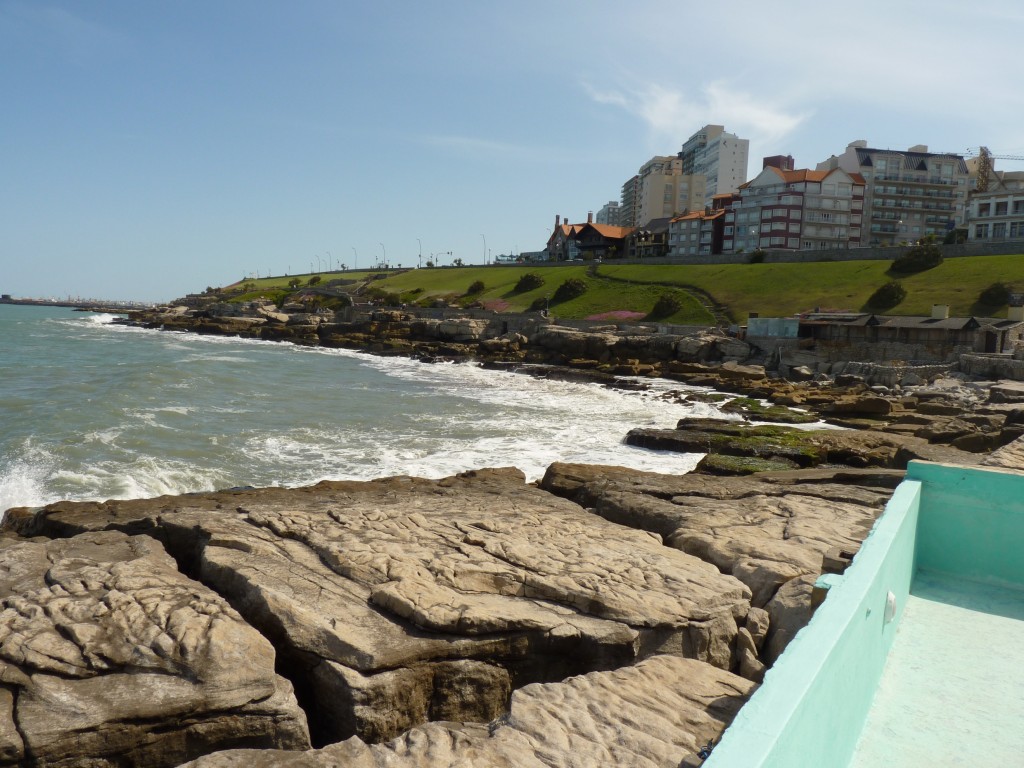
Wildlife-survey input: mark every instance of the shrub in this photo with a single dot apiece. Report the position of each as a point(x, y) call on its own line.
point(756, 257)
point(666, 306)
point(887, 296)
point(955, 236)
point(294, 282)
point(541, 302)
point(476, 287)
point(570, 289)
point(924, 255)
point(528, 282)
point(314, 280)
point(996, 295)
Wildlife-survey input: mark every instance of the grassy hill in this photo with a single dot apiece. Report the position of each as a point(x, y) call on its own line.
point(702, 293)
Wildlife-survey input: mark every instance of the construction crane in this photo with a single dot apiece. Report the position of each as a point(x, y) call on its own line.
point(985, 158)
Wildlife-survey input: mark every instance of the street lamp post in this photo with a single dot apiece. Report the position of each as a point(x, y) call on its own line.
point(355, 254)
point(485, 250)
point(330, 258)
point(419, 262)
point(385, 252)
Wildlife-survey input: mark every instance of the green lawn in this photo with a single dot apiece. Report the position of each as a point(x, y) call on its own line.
point(772, 290)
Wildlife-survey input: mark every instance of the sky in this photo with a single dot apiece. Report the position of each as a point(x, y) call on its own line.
point(153, 149)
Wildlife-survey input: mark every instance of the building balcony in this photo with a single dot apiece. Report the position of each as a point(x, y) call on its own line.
point(912, 179)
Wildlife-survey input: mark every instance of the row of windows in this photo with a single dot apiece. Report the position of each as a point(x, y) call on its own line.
point(999, 229)
point(1001, 208)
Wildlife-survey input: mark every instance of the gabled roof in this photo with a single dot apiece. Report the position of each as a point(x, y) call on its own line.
point(609, 231)
point(805, 174)
point(706, 215)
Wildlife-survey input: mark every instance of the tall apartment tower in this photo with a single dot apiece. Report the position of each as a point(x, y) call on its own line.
point(609, 213)
point(629, 210)
point(908, 194)
point(721, 157)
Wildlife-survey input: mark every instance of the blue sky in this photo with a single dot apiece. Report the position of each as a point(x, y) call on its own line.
point(152, 149)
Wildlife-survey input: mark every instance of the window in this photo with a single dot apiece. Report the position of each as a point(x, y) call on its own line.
point(1017, 229)
point(766, 228)
point(777, 241)
point(981, 231)
point(984, 209)
point(780, 213)
point(1018, 206)
point(727, 231)
point(794, 227)
point(999, 229)
point(1001, 209)
point(766, 213)
point(793, 242)
point(794, 213)
point(828, 189)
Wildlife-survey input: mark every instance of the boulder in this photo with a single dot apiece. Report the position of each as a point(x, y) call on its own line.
point(110, 656)
point(657, 713)
point(789, 611)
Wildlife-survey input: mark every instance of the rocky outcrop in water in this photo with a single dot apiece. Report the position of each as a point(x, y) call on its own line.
point(399, 601)
point(606, 616)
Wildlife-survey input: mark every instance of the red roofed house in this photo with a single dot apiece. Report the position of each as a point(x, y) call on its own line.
point(602, 241)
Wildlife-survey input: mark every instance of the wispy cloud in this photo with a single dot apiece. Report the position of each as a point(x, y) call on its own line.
point(674, 114)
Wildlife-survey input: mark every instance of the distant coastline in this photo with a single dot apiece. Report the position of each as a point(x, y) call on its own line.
point(90, 305)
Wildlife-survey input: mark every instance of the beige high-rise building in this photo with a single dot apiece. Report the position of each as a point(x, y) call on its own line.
point(661, 190)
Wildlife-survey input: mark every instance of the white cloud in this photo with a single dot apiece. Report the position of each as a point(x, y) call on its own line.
point(672, 114)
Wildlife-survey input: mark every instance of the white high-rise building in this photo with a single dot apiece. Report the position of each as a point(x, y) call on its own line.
point(719, 156)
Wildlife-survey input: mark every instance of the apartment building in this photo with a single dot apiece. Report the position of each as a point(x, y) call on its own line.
point(629, 210)
point(609, 214)
point(908, 194)
point(794, 210)
point(696, 234)
point(660, 190)
point(719, 156)
point(998, 213)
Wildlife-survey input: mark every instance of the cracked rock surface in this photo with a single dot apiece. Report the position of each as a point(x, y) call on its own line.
point(656, 713)
point(403, 600)
point(110, 656)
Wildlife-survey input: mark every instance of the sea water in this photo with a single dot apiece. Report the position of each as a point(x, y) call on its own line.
point(92, 410)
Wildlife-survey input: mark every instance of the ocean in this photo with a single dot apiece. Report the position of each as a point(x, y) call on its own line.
point(91, 410)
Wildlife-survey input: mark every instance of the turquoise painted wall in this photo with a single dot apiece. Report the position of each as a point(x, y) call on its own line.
point(972, 522)
point(810, 710)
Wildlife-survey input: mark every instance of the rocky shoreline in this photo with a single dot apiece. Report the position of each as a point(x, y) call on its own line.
point(601, 616)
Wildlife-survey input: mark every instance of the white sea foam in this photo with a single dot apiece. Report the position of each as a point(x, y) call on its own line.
point(23, 479)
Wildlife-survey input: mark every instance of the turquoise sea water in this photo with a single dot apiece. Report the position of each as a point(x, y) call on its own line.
point(92, 411)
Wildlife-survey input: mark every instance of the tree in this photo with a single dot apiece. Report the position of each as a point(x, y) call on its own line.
point(529, 282)
point(314, 279)
point(570, 289)
point(456, 262)
point(887, 296)
point(294, 282)
point(925, 255)
point(430, 263)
